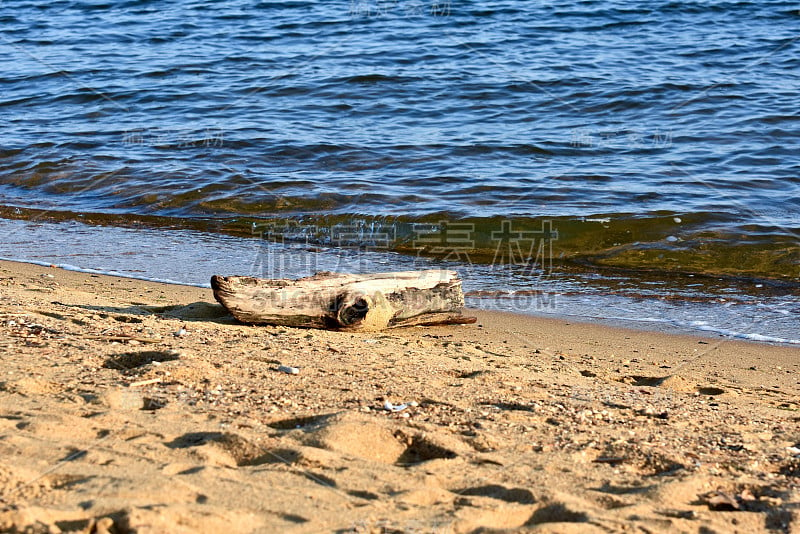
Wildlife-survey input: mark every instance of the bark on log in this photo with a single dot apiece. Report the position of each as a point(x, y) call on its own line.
point(346, 301)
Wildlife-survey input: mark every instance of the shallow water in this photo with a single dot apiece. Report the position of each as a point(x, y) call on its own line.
point(715, 307)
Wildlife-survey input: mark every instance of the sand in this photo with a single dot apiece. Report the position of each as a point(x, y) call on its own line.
point(131, 406)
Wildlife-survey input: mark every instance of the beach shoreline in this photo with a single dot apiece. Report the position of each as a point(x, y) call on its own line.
point(146, 406)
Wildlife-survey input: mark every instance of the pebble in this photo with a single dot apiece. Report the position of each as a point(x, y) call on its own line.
point(288, 370)
point(123, 399)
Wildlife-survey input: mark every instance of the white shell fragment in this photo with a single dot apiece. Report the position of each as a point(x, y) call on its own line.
point(388, 406)
point(288, 370)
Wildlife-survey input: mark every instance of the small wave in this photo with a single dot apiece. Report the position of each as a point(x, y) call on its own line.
point(750, 336)
point(666, 244)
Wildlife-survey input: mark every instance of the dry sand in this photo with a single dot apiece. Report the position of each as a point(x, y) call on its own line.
point(110, 422)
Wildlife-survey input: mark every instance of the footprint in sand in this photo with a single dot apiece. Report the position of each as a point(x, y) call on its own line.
point(31, 387)
point(710, 390)
point(128, 361)
point(552, 517)
point(222, 449)
point(71, 427)
point(363, 437)
point(496, 491)
point(671, 382)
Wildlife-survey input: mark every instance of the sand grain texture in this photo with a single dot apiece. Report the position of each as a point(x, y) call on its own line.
point(114, 419)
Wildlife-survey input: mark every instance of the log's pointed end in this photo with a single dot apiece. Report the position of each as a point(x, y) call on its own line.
point(220, 286)
point(216, 281)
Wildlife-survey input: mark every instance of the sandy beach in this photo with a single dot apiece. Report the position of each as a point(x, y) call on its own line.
point(132, 406)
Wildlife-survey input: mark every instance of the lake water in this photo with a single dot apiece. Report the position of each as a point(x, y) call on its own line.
point(598, 159)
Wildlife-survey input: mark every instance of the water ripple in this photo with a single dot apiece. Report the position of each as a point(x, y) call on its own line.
point(409, 109)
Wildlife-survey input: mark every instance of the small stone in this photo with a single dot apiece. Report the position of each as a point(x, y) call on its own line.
point(123, 399)
point(721, 502)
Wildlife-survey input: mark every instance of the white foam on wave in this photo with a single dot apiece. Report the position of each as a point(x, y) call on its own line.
point(705, 327)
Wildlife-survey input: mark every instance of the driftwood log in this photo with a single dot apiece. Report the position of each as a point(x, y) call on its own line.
point(346, 301)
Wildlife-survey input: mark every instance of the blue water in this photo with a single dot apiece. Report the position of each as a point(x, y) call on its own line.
point(660, 139)
point(475, 109)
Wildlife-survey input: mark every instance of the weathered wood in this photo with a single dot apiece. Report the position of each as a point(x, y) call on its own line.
point(346, 301)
